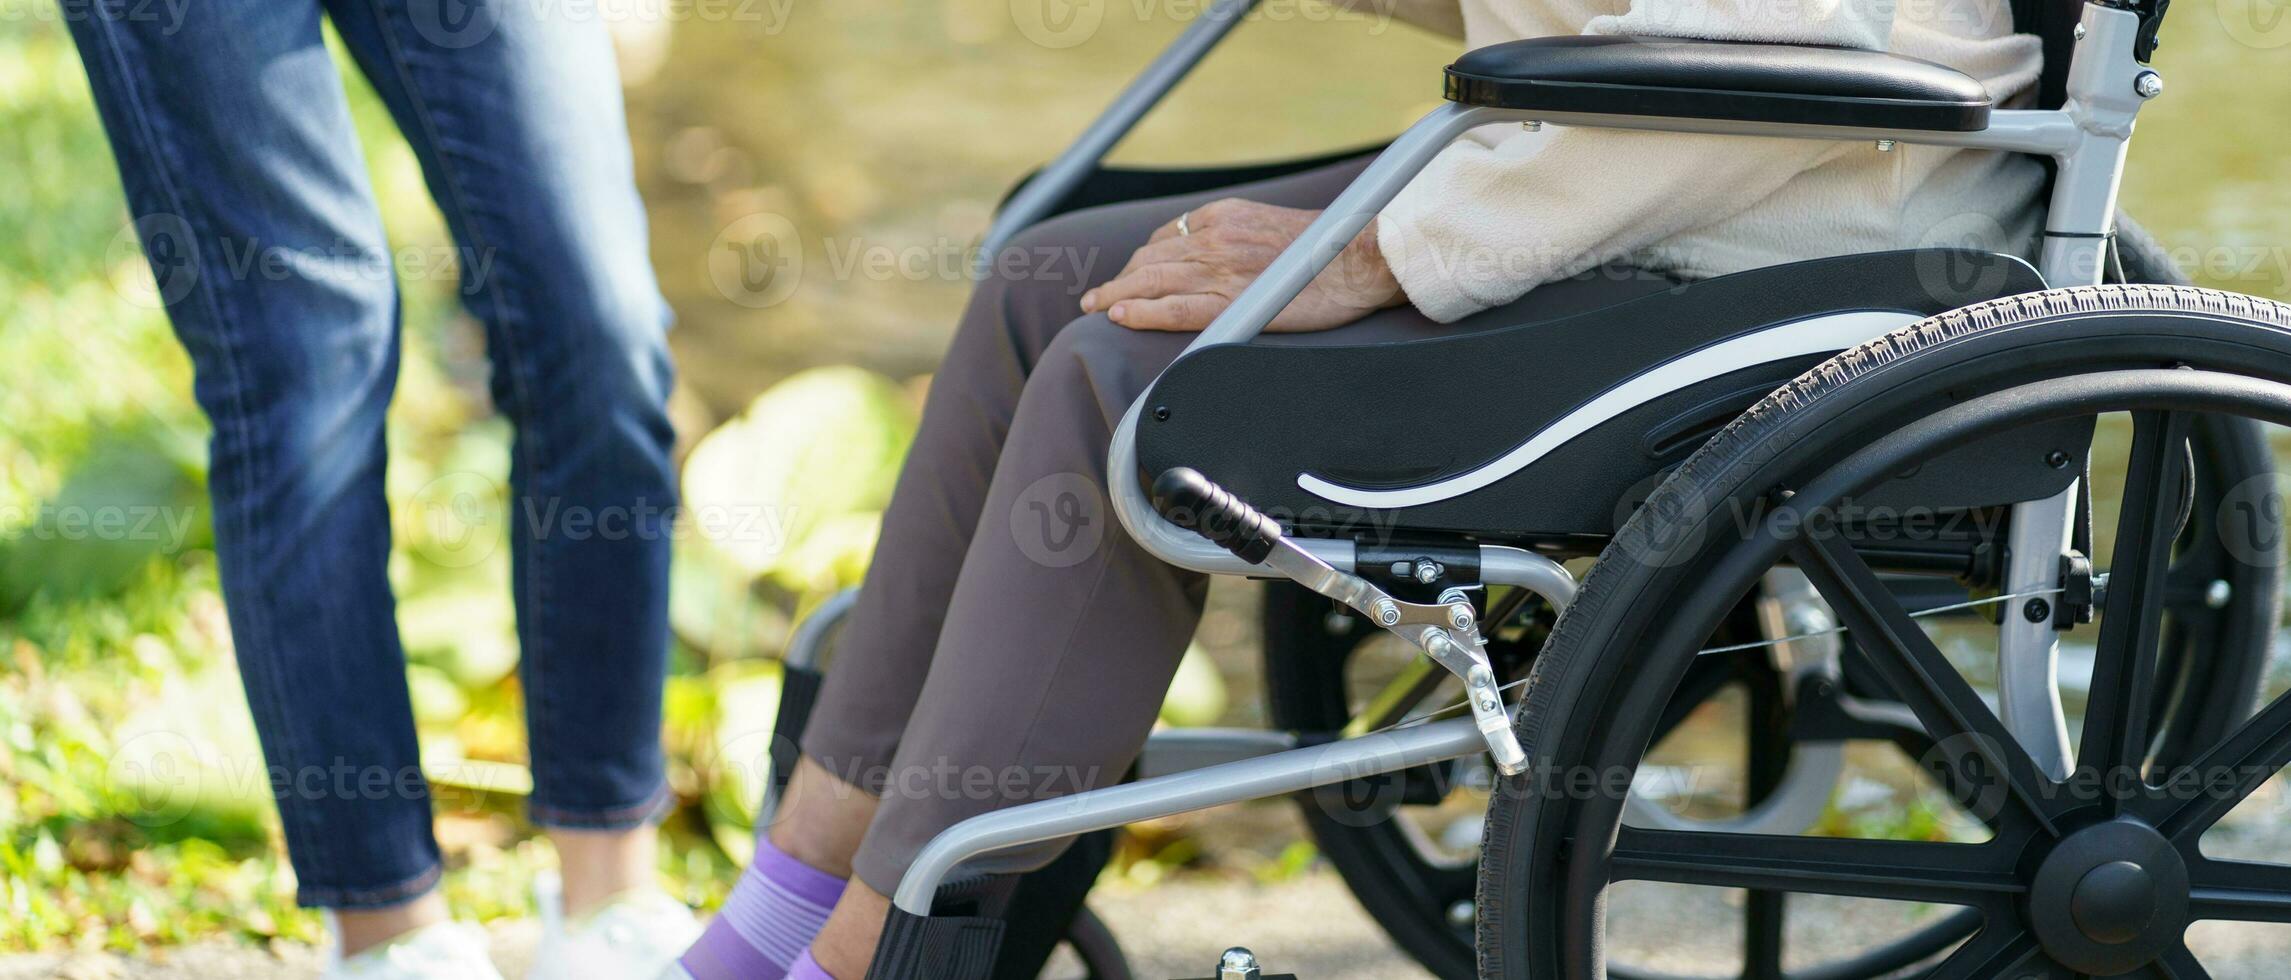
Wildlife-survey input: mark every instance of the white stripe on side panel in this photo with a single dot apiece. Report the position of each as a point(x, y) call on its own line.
point(1826, 334)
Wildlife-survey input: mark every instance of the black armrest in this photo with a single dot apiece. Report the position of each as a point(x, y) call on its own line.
point(1735, 80)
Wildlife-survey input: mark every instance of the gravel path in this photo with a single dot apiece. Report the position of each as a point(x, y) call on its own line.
point(1308, 926)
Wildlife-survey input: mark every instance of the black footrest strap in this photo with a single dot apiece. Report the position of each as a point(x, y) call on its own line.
point(937, 947)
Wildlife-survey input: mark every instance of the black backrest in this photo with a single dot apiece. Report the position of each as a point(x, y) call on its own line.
point(2054, 22)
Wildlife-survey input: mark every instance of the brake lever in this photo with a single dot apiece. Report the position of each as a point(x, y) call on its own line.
point(1447, 632)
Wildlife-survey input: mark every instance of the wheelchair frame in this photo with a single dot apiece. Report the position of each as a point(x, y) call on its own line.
point(2087, 140)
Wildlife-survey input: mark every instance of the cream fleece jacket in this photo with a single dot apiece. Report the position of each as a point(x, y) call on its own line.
point(1503, 210)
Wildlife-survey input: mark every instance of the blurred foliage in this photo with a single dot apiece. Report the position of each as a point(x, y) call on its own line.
point(129, 817)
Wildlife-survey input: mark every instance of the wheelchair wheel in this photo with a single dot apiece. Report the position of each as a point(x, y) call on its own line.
point(2096, 874)
point(1407, 844)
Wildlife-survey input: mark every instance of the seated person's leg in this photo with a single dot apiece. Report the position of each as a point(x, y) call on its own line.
point(885, 653)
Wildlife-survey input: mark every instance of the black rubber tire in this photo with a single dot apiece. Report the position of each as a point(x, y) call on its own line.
point(1606, 655)
point(1094, 944)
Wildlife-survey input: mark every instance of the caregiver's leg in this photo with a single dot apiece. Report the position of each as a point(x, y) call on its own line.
point(515, 114)
point(235, 145)
point(1062, 632)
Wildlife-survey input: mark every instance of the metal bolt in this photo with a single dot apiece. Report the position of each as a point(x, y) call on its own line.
point(2216, 595)
point(2058, 459)
point(2079, 32)
point(1532, 125)
point(2148, 84)
point(1460, 617)
point(1462, 914)
point(2037, 610)
point(1161, 413)
point(1387, 612)
point(1884, 146)
point(1238, 964)
point(1428, 571)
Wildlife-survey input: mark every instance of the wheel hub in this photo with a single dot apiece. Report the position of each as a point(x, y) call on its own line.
point(2109, 898)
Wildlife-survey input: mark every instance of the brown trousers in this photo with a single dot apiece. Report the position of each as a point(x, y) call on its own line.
point(1011, 642)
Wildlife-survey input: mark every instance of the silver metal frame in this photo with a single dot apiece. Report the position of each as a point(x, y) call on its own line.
point(1062, 174)
point(2086, 138)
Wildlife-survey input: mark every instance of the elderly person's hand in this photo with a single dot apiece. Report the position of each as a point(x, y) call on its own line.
point(1181, 280)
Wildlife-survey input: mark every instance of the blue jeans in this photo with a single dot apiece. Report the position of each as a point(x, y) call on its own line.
point(235, 144)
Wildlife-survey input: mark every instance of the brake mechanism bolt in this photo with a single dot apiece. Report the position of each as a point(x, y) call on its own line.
point(1238, 964)
point(2217, 594)
point(1387, 612)
point(1428, 571)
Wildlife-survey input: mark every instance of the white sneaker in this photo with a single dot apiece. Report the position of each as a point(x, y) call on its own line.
point(637, 935)
point(444, 951)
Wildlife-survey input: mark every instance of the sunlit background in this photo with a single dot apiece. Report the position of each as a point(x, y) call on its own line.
point(877, 137)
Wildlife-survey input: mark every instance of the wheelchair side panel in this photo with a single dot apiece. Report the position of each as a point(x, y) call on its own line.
point(1409, 416)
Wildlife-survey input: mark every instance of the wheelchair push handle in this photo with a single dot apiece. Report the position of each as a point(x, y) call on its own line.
point(1195, 502)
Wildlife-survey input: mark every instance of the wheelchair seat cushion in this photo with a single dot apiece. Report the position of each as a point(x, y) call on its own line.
point(1546, 431)
point(1686, 78)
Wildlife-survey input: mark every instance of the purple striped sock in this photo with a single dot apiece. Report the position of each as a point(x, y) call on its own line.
point(806, 968)
point(767, 924)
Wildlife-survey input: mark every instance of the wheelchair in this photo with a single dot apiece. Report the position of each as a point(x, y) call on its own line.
point(1802, 494)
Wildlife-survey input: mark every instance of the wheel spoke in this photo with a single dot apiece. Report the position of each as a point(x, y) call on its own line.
point(2000, 949)
point(2116, 728)
point(2177, 963)
point(1762, 935)
point(2205, 790)
point(2240, 891)
point(1912, 871)
point(1962, 726)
